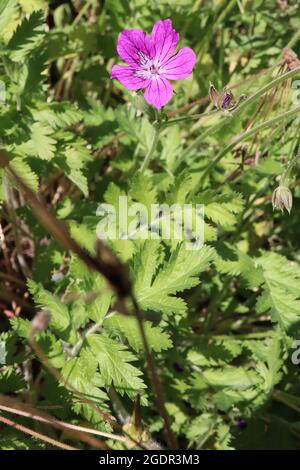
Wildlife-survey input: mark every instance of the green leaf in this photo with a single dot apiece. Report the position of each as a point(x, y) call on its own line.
point(75, 158)
point(53, 348)
point(21, 326)
point(88, 281)
point(84, 236)
point(27, 36)
point(222, 209)
point(178, 273)
point(114, 363)
point(235, 378)
point(40, 144)
point(60, 317)
point(81, 373)
point(158, 340)
point(17, 440)
point(8, 15)
point(281, 294)
point(224, 437)
point(214, 352)
point(232, 261)
point(11, 381)
point(200, 429)
point(33, 5)
point(142, 191)
point(22, 168)
point(57, 115)
point(269, 354)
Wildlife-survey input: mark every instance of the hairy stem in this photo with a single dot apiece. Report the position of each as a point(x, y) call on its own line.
point(193, 117)
point(287, 174)
point(288, 399)
point(264, 89)
point(151, 150)
point(223, 121)
point(245, 135)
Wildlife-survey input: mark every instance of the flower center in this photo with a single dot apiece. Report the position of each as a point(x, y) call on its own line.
point(149, 68)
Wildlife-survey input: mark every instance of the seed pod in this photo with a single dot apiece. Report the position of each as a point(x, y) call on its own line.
point(282, 198)
point(214, 95)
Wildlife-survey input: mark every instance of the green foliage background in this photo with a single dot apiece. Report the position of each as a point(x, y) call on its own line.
point(220, 321)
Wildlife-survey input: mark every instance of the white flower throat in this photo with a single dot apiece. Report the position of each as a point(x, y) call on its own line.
point(150, 68)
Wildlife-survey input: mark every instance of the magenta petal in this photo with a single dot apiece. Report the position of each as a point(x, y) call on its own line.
point(131, 44)
point(159, 92)
point(164, 39)
point(180, 65)
point(126, 75)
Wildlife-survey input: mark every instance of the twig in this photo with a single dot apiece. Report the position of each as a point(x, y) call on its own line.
point(43, 418)
point(36, 434)
point(154, 376)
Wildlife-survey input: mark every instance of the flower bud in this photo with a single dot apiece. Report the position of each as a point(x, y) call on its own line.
point(282, 198)
point(226, 99)
point(214, 95)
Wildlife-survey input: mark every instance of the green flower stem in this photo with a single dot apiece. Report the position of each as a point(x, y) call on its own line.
point(295, 39)
point(223, 121)
point(151, 150)
point(288, 399)
point(246, 134)
point(82, 12)
point(192, 117)
point(286, 175)
point(264, 89)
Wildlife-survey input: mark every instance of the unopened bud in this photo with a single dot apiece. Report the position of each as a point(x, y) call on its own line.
point(226, 99)
point(282, 198)
point(220, 100)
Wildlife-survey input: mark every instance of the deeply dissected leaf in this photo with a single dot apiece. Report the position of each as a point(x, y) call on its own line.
point(40, 143)
point(115, 365)
point(158, 339)
point(27, 36)
point(177, 274)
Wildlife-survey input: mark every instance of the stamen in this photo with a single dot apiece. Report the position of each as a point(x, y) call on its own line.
point(149, 69)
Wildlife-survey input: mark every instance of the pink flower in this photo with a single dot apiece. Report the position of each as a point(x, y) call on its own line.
point(152, 62)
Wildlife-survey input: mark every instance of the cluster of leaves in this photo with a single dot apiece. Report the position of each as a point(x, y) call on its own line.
point(220, 321)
